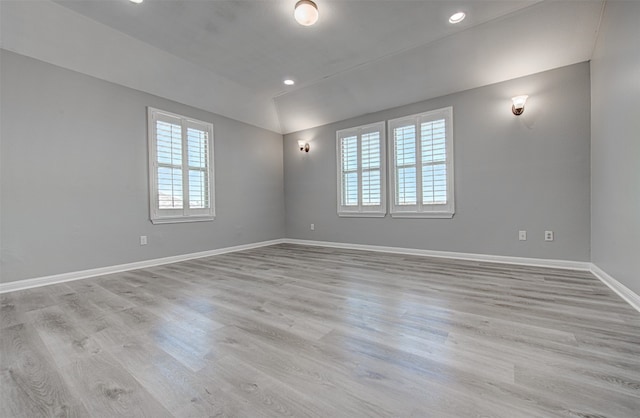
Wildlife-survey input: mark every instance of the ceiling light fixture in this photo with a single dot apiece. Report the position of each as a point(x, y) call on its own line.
point(306, 12)
point(457, 17)
point(136, 1)
point(518, 104)
point(289, 82)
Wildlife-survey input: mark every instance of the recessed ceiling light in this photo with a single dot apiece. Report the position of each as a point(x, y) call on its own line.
point(289, 82)
point(136, 1)
point(306, 12)
point(457, 17)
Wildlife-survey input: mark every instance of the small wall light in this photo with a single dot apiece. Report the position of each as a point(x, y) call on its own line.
point(303, 146)
point(306, 12)
point(518, 104)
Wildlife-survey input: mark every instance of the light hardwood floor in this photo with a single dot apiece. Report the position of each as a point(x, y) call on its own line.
point(304, 331)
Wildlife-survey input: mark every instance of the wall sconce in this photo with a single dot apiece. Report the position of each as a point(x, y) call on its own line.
point(518, 104)
point(303, 146)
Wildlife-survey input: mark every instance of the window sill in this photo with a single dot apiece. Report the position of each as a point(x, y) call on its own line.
point(361, 215)
point(182, 219)
point(423, 215)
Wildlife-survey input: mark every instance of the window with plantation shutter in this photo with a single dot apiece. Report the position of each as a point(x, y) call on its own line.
point(180, 169)
point(361, 171)
point(421, 150)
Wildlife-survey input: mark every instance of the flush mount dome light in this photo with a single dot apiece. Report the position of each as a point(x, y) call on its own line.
point(289, 82)
point(306, 12)
point(136, 1)
point(457, 17)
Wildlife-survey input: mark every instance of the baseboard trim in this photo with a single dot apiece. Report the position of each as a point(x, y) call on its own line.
point(486, 258)
point(101, 271)
point(621, 290)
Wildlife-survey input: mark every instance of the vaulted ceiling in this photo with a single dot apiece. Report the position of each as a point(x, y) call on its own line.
point(230, 57)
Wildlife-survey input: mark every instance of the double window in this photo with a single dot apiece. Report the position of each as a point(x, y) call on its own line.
point(361, 166)
point(181, 168)
point(420, 173)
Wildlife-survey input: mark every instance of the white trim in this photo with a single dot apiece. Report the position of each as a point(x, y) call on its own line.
point(621, 290)
point(486, 258)
point(85, 274)
point(181, 219)
point(361, 214)
point(432, 215)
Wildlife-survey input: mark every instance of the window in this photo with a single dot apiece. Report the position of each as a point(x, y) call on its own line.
point(361, 171)
point(421, 150)
point(180, 168)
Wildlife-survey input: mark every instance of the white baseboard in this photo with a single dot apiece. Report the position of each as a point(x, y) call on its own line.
point(84, 274)
point(522, 261)
point(623, 291)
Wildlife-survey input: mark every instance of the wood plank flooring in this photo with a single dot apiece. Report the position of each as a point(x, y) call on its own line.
point(304, 331)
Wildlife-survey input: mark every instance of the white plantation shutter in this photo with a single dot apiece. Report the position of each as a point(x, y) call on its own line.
point(434, 159)
point(198, 161)
point(169, 163)
point(371, 185)
point(349, 152)
point(181, 171)
point(422, 156)
point(405, 164)
point(361, 171)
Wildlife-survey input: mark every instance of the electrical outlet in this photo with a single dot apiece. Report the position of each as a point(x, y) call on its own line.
point(143, 240)
point(522, 235)
point(548, 235)
point(312, 227)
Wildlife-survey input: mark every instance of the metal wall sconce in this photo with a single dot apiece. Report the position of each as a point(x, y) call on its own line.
point(518, 104)
point(304, 147)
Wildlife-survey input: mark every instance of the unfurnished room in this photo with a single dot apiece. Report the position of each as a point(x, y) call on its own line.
point(320, 208)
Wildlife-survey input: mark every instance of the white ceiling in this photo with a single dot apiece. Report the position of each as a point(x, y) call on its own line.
point(361, 56)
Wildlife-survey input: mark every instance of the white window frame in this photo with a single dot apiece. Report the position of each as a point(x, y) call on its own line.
point(361, 210)
point(161, 216)
point(420, 210)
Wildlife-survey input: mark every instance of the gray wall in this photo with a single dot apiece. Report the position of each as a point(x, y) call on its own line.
point(74, 176)
point(529, 172)
point(615, 143)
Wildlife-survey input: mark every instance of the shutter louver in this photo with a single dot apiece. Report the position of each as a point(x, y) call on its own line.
point(169, 154)
point(350, 171)
point(405, 159)
point(371, 192)
point(434, 158)
point(197, 151)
